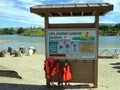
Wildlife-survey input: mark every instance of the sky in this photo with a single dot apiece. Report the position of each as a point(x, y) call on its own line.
point(16, 13)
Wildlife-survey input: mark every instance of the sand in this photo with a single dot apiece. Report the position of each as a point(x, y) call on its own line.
point(1, 42)
point(30, 68)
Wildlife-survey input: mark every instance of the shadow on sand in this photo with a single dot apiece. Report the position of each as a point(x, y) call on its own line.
point(7, 86)
point(10, 73)
point(116, 66)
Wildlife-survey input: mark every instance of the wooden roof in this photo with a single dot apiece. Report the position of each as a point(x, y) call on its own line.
point(81, 9)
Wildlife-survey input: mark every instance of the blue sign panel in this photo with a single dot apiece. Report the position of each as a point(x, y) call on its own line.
point(53, 47)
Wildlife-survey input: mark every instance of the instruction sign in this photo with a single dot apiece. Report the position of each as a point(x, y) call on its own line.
point(71, 44)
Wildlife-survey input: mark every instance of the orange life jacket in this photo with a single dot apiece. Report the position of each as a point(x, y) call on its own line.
point(47, 68)
point(66, 73)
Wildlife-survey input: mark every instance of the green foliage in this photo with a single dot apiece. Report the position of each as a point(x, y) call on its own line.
point(117, 26)
point(33, 31)
point(20, 30)
point(23, 31)
point(10, 31)
point(109, 29)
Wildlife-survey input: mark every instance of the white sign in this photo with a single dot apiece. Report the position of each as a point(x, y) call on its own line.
point(73, 44)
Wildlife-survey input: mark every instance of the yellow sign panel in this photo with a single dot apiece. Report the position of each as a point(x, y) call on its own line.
point(86, 47)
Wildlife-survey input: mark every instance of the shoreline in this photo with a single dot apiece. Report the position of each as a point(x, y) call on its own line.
point(1, 42)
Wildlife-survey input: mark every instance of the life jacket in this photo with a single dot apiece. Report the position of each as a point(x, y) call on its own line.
point(66, 73)
point(56, 70)
point(50, 68)
point(47, 68)
point(51, 62)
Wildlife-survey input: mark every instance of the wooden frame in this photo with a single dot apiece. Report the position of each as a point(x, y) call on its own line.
point(88, 70)
point(89, 74)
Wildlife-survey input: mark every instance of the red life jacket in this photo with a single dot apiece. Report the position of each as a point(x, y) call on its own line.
point(66, 73)
point(50, 69)
point(47, 68)
point(56, 70)
point(51, 62)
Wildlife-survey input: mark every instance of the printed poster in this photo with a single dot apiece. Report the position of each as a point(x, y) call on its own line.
point(71, 44)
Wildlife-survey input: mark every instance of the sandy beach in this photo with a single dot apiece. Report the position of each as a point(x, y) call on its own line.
point(30, 69)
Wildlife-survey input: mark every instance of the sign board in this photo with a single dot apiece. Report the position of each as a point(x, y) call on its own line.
point(73, 44)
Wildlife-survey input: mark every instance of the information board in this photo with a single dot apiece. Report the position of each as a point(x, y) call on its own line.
point(73, 44)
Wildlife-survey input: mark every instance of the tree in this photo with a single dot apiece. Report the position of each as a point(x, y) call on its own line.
point(11, 31)
point(117, 26)
point(20, 30)
point(103, 28)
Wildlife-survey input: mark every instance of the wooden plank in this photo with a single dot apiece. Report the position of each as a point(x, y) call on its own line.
point(82, 79)
point(87, 25)
point(71, 13)
point(82, 72)
point(94, 13)
point(60, 13)
point(49, 14)
point(82, 13)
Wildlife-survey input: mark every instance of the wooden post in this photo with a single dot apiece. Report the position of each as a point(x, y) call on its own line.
point(96, 61)
point(46, 27)
point(97, 21)
point(46, 21)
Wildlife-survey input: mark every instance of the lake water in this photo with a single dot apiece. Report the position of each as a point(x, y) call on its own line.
point(16, 41)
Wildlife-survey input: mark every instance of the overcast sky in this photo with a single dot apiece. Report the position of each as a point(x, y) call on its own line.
point(16, 13)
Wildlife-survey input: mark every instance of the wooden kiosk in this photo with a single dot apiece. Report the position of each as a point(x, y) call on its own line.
point(81, 39)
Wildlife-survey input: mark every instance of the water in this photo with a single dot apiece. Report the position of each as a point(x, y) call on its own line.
point(109, 41)
point(16, 41)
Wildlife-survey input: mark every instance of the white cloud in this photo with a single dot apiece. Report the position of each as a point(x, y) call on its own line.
point(108, 21)
point(116, 4)
point(77, 1)
point(84, 1)
point(112, 15)
point(29, 3)
point(12, 12)
point(19, 11)
point(73, 1)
